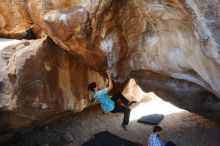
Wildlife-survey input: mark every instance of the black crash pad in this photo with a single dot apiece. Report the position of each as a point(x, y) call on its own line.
point(106, 138)
point(151, 119)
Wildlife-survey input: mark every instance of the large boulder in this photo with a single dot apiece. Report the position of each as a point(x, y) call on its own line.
point(69, 24)
point(171, 47)
point(178, 39)
point(38, 82)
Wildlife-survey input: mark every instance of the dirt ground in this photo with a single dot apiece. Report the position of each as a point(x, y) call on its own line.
point(183, 128)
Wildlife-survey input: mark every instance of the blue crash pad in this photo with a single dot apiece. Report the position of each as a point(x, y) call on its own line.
point(151, 119)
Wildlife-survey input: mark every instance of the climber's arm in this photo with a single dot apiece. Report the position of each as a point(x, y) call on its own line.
point(110, 84)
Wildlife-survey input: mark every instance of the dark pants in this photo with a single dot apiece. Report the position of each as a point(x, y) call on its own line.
point(120, 108)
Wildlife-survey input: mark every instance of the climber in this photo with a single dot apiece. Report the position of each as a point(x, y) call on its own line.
point(110, 104)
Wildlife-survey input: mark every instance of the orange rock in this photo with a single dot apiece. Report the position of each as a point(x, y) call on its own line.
point(170, 47)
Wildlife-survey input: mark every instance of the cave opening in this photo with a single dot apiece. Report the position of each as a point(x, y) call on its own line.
point(154, 105)
point(147, 103)
point(74, 129)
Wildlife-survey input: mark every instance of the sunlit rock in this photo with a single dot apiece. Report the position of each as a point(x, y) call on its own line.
point(134, 93)
point(14, 19)
point(169, 47)
point(38, 81)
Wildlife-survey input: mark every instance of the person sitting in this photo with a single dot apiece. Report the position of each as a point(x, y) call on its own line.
point(154, 139)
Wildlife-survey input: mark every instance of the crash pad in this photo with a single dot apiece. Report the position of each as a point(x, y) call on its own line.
point(106, 138)
point(151, 119)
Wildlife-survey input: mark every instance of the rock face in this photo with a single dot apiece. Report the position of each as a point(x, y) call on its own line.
point(14, 18)
point(170, 47)
point(173, 38)
point(39, 80)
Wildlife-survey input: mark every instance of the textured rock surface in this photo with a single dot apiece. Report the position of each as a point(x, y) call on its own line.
point(39, 80)
point(14, 18)
point(171, 47)
point(161, 36)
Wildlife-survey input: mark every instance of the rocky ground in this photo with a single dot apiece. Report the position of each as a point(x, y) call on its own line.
point(184, 128)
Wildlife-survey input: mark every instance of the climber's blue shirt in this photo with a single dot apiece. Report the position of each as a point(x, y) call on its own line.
point(106, 103)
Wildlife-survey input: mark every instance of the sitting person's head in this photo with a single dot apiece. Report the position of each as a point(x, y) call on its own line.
point(92, 87)
point(157, 130)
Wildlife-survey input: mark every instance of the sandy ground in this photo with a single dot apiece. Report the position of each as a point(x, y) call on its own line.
point(182, 127)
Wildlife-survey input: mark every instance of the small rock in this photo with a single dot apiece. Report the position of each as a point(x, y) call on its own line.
point(35, 105)
point(44, 106)
point(46, 128)
point(67, 137)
